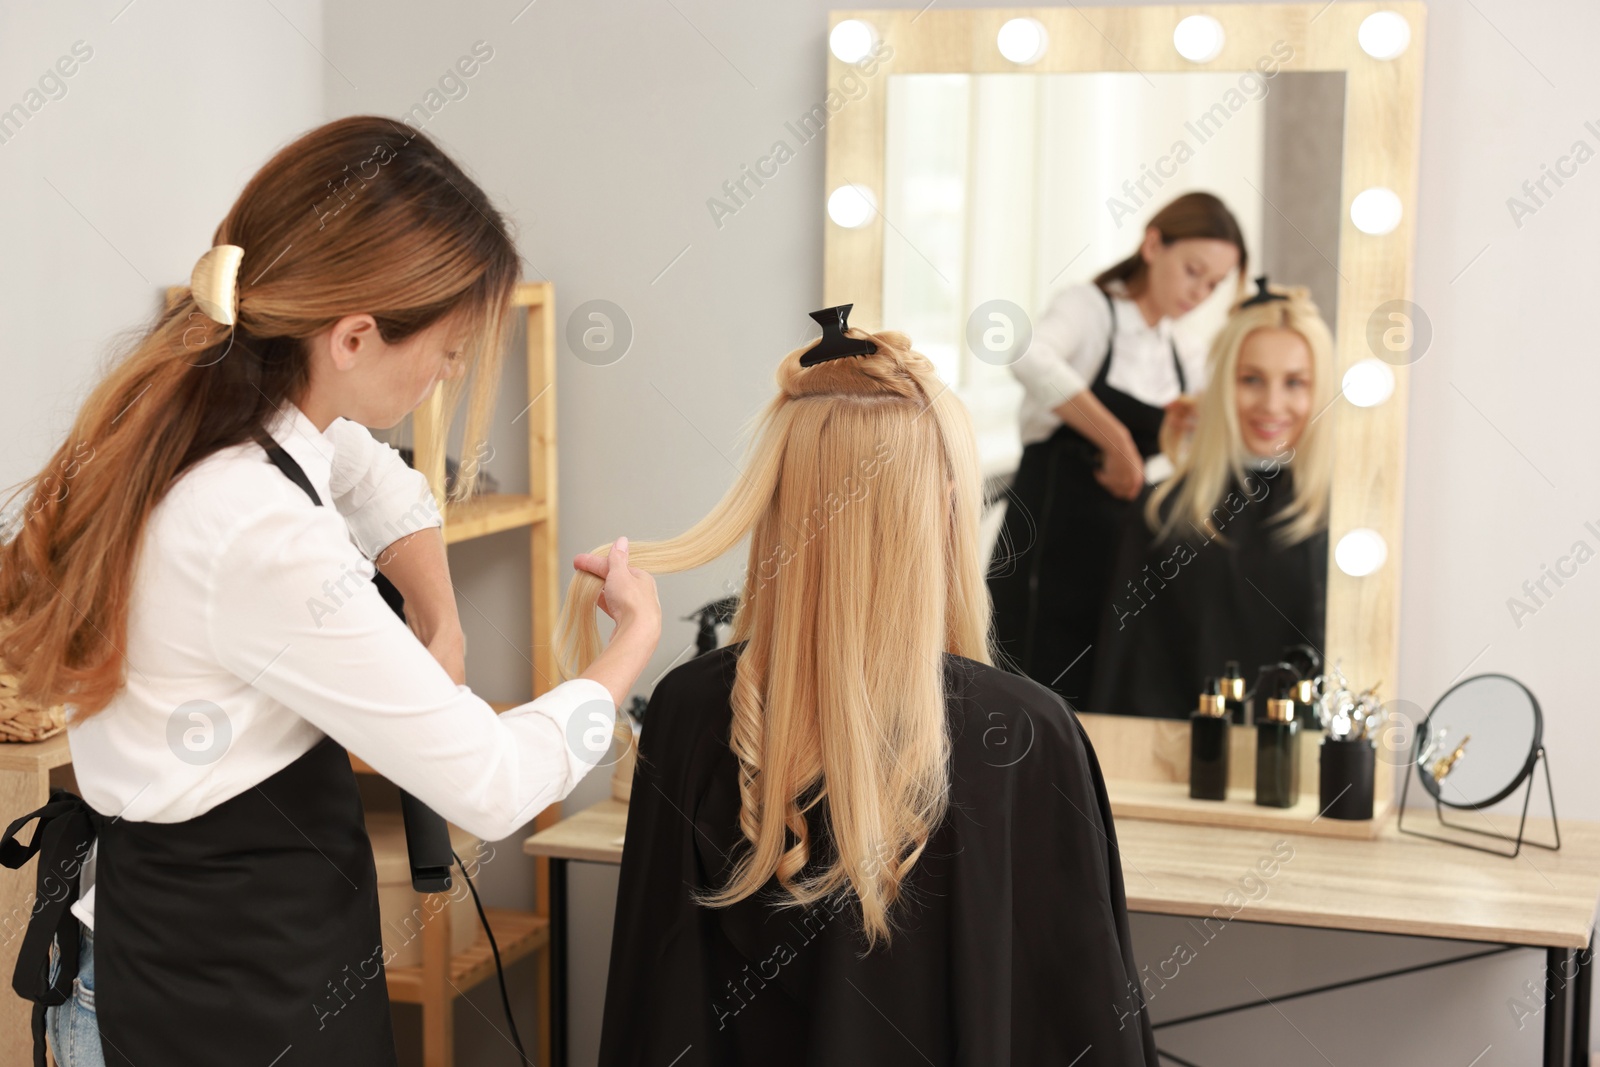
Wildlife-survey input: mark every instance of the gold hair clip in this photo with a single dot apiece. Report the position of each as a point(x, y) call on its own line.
point(213, 283)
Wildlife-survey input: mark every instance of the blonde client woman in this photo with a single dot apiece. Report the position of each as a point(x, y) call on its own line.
point(1226, 560)
point(851, 839)
point(193, 576)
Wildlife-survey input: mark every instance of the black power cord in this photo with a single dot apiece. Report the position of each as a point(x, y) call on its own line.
point(505, 998)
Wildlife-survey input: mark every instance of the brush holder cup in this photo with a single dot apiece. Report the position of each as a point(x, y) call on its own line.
point(1347, 767)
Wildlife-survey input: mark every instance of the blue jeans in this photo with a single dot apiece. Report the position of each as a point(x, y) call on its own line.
point(73, 1028)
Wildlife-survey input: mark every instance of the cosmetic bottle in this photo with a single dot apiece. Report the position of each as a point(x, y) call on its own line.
point(1208, 746)
point(1278, 751)
point(1233, 694)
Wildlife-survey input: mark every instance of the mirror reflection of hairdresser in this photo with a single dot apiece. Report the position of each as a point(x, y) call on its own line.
point(1228, 558)
point(219, 641)
point(1102, 366)
point(852, 839)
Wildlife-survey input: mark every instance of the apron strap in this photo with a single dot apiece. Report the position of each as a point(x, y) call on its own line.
point(66, 828)
point(285, 462)
point(1111, 341)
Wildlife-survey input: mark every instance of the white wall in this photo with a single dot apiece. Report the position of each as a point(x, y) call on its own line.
point(114, 189)
point(605, 127)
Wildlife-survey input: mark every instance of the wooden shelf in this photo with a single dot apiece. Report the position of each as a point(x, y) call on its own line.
point(532, 295)
point(488, 514)
point(37, 757)
point(517, 933)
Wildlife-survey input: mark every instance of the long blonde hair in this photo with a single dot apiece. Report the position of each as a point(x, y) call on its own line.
point(861, 498)
point(362, 214)
point(1217, 455)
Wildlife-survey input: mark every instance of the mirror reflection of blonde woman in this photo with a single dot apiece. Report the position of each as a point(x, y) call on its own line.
point(851, 839)
point(1226, 560)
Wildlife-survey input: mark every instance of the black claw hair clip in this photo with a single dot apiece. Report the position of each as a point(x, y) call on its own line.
point(1263, 294)
point(834, 344)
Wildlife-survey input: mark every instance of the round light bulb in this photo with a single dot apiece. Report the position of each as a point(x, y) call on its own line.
point(1023, 41)
point(1199, 38)
point(1384, 34)
point(852, 206)
point(1376, 211)
point(851, 40)
point(1368, 383)
point(1360, 552)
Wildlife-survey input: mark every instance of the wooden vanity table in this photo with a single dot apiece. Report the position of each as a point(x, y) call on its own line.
point(1389, 884)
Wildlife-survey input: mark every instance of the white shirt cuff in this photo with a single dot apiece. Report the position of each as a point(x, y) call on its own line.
point(381, 498)
point(398, 509)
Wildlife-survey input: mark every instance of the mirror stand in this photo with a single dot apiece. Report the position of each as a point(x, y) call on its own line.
point(1539, 759)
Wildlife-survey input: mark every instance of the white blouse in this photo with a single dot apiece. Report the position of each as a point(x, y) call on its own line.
point(255, 629)
point(1069, 345)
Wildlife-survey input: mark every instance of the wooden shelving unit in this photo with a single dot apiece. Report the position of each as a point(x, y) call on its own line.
point(442, 976)
point(517, 932)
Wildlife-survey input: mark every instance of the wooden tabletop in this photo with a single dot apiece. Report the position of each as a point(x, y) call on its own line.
point(1393, 884)
point(593, 834)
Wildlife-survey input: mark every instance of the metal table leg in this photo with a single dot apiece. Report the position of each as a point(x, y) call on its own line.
point(1557, 1016)
point(1582, 993)
point(558, 962)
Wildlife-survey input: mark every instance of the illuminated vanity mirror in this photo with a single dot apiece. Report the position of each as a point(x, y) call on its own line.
point(984, 167)
point(1009, 193)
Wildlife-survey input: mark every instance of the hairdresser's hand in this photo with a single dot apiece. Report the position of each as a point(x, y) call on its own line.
point(1121, 470)
point(629, 597)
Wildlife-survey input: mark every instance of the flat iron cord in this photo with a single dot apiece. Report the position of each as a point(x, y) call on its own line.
point(505, 998)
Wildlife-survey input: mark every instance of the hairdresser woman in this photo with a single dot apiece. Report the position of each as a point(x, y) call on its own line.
point(1102, 367)
point(199, 589)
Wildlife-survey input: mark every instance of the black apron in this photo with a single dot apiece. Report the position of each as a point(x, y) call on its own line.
point(1057, 541)
point(248, 934)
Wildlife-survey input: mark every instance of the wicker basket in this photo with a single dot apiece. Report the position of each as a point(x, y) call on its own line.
point(22, 720)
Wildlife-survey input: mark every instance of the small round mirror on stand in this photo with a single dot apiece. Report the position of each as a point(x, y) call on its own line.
point(1479, 744)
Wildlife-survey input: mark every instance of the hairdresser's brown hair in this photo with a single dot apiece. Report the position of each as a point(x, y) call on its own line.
point(1191, 215)
point(363, 214)
point(860, 501)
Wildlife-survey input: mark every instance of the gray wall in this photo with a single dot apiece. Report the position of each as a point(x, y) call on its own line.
point(604, 127)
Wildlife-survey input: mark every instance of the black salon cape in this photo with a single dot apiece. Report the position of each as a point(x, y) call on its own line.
point(1181, 609)
point(1013, 947)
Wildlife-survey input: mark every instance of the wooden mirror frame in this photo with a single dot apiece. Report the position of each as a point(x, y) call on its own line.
point(1382, 118)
